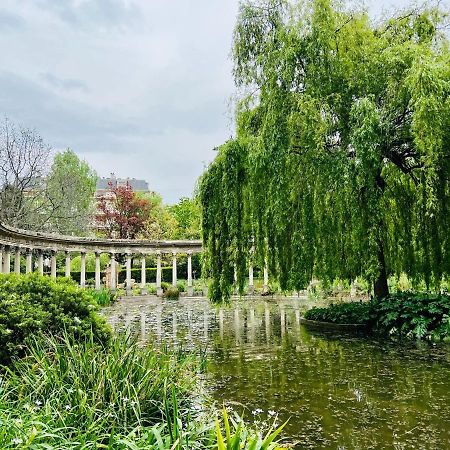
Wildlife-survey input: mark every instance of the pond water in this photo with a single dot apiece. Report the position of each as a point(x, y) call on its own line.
point(339, 391)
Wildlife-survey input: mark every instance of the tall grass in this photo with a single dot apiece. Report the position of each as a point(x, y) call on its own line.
point(67, 395)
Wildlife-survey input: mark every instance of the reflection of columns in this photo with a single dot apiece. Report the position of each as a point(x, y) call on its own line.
point(83, 270)
point(40, 262)
point(97, 271)
point(251, 326)
point(7, 260)
point(266, 279)
point(67, 264)
point(174, 269)
point(205, 325)
point(283, 321)
point(158, 275)
point(113, 275)
point(251, 285)
point(174, 326)
point(221, 323)
point(190, 289)
point(128, 269)
point(17, 261)
point(237, 326)
point(143, 276)
point(143, 331)
point(53, 264)
point(29, 261)
point(267, 321)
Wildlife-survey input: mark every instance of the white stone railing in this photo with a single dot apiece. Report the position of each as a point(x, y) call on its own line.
point(34, 245)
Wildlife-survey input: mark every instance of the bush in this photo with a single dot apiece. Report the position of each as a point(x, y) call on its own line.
point(172, 293)
point(344, 313)
point(31, 305)
point(182, 286)
point(423, 316)
point(103, 297)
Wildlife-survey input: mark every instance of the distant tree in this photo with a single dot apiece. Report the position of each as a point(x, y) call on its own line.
point(187, 214)
point(24, 161)
point(161, 223)
point(70, 188)
point(122, 213)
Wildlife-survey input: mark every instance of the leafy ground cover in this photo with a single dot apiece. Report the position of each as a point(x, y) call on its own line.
point(421, 316)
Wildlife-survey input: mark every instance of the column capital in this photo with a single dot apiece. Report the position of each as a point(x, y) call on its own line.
point(174, 253)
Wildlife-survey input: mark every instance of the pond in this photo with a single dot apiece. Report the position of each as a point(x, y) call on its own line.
point(339, 391)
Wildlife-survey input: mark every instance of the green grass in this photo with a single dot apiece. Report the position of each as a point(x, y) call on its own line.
point(67, 395)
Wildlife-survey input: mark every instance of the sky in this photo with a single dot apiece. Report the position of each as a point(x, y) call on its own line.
point(141, 88)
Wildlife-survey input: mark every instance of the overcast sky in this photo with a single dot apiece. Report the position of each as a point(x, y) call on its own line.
point(140, 88)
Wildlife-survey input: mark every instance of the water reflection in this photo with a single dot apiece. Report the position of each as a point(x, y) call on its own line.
point(339, 391)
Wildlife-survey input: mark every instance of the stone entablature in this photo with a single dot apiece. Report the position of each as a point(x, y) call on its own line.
point(31, 243)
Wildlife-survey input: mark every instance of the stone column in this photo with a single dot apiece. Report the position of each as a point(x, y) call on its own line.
point(97, 271)
point(266, 279)
point(174, 269)
point(143, 276)
point(40, 262)
point(113, 272)
point(190, 288)
point(83, 270)
point(29, 261)
point(159, 291)
point(67, 264)
point(17, 261)
point(128, 280)
point(53, 264)
point(7, 260)
point(251, 285)
point(1, 258)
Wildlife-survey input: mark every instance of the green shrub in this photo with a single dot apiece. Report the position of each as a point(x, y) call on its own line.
point(423, 316)
point(103, 297)
point(182, 286)
point(345, 313)
point(172, 293)
point(31, 305)
point(165, 286)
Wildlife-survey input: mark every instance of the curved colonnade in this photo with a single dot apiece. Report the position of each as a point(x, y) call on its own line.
point(33, 244)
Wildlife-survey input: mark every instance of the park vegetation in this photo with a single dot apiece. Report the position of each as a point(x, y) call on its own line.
point(68, 382)
point(418, 316)
point(340, 167)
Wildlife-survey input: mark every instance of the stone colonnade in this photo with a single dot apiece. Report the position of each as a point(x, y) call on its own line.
point(32, 245)
point(22, 243)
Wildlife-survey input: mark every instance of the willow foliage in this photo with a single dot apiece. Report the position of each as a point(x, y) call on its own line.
point(341, 164)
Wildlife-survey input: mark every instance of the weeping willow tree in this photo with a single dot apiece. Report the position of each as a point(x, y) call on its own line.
point(341, 162)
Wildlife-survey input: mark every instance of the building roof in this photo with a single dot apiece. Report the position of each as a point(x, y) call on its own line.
point(136, 185)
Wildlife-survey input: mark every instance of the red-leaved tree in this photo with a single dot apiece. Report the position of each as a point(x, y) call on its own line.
point(121, 213)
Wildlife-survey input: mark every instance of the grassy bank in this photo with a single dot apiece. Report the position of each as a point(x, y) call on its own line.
point(421, 316)
point(67, 382)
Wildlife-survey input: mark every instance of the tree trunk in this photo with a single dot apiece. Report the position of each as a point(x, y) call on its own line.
point(380, 288)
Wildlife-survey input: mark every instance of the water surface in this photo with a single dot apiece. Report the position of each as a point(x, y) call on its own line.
point(339, 391)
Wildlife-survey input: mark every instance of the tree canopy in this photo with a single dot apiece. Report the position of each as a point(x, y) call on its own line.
point(70, 188)
point(341, 162)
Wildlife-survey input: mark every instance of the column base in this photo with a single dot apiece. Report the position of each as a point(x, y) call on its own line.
point(144, 291)
point(159, 292)
point(251, 290)
point(129, 292)
point(190, 291)
point(265, 289)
